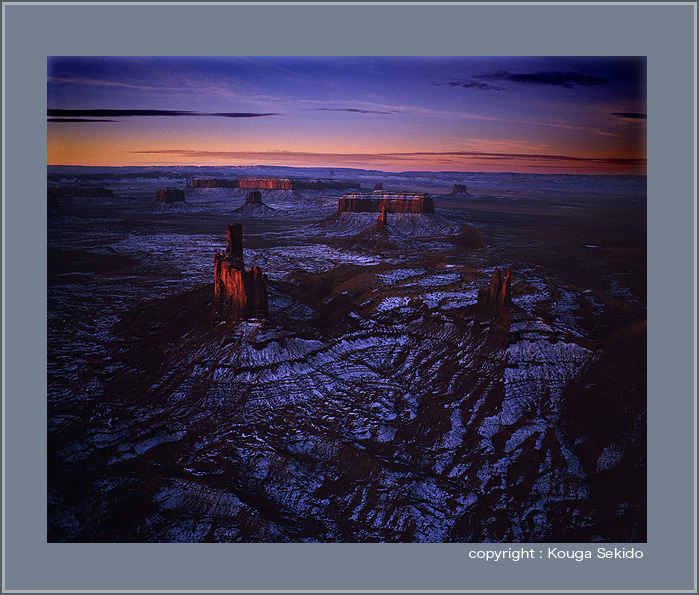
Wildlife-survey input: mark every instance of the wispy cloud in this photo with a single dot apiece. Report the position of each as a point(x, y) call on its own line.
point(416, 110)
point(167, 81)
point(129, 113)
point(91, 82)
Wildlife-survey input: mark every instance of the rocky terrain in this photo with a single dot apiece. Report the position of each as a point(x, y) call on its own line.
point(474, 374)
point(83, 191)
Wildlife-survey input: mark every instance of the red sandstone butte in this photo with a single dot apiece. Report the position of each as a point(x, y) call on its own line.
point(497, 297)
point(254, 198)
point(459, 189)
point(238, 294)
point(394, 202)
point(265, 183)
point(168, 195)
point(271, 184)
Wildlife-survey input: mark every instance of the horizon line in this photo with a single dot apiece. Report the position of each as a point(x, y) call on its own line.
point(212, 166)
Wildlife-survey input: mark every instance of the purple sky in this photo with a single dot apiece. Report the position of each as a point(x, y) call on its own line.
point(559, 115)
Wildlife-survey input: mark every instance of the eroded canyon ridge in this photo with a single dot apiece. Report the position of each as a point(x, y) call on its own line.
point(445, 358)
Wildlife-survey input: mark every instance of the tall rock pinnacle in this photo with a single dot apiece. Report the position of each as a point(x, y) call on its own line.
point(497, 296)
point(238, 294)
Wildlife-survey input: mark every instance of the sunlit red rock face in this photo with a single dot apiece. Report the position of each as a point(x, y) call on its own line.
point(382, 221)
point(249, 183)
point(394, 202)
point(168, 195)
point(498, 296)
point(266, 183)
point(238, 294)
point(271, 184)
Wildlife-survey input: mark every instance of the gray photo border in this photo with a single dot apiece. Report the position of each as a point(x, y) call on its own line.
point(664, 32)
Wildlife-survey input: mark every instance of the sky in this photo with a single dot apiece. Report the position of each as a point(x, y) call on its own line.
point(576, 115)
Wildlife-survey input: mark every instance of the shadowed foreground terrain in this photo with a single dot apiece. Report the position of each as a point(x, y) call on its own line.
point(378, 402)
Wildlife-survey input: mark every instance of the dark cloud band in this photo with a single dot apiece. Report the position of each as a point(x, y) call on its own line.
point(73, 120)
point(130, 113)
point(471, 85)
point(238, 115)
point(351, 110)
point(567, 79)
point(631, 115)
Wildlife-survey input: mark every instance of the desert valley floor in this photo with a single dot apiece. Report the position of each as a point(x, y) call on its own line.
point(378, 402)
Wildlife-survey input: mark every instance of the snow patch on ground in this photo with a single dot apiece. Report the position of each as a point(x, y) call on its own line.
point(392, 303)
point(609, 457)
point(397, 275)
point(449, 299)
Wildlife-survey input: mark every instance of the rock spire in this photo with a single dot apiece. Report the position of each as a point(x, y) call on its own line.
point(382, 221)
point(254, 198)
point(497, 296)
point(238, 294)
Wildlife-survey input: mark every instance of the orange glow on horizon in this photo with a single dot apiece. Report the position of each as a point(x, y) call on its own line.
point(477, 156)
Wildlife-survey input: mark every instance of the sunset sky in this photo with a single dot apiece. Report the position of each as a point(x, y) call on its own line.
point(538, 115)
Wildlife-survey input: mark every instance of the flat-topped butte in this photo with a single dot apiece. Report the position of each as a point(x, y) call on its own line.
point(392, 202)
